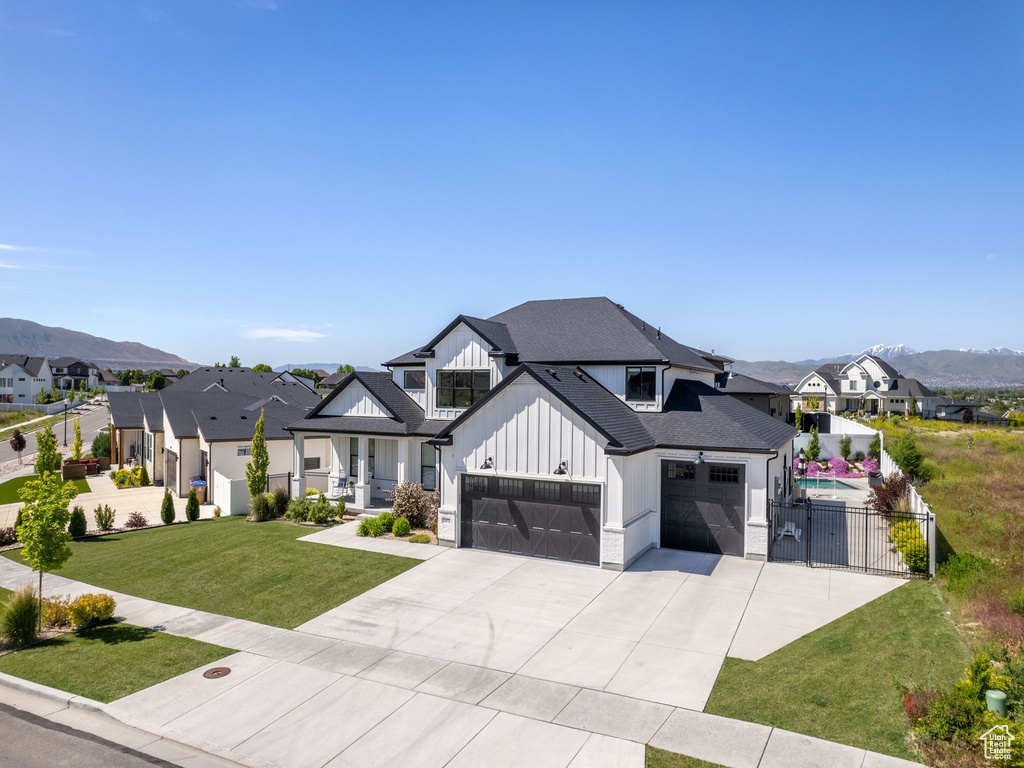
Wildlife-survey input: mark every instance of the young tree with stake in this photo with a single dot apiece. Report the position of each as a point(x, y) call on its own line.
point(44, 525)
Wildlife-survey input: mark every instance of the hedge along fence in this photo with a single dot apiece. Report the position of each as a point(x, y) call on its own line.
point(918, 506)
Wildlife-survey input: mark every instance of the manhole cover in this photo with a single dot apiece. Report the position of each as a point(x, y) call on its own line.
point(213, 674)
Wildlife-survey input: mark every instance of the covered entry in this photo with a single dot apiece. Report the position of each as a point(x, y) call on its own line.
point(552, 519)
point(703, 507)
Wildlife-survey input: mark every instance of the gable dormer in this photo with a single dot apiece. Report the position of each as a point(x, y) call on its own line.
point(354, 399)
point(460, 366)
point(876, 374)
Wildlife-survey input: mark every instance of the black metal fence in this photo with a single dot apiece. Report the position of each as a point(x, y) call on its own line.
point(282, 480)
point(830, 534)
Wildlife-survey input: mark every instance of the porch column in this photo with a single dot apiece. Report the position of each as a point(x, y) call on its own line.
point(403, 460)
point(335, 459)
point(362, 489)
point(298, 465)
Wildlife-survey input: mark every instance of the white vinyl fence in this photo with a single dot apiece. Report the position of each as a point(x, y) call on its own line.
point(47, 408)
point(860, 436)
point(918, 506)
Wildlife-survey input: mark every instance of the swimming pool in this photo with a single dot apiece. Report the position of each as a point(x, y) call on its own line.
point(822, 482)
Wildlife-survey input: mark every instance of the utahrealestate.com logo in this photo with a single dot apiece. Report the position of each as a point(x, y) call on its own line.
point(997, 742)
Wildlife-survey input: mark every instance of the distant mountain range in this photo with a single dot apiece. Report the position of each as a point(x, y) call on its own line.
point(995, 367)
point(28, 338)
point(329, 367)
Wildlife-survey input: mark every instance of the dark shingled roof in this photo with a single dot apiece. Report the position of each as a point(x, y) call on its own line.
point(125, 410)
point(909, 388)
point(407, 418)
point(30, 364)
point(699, 416)
point(695, 416)
point(248, 382)
point(740, 384)
point(573, 331)
point(831, 372)
point(220, 424)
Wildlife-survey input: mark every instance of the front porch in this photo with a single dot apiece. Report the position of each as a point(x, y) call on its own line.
point(361, 469)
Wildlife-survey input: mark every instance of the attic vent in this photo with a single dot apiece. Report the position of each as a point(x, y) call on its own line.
point(551, 372)
point(213, 418)
point(579, 375)
point(245, 417)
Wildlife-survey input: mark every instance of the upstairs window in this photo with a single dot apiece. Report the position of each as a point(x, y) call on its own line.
point(853, 386)
point(640, 384)
point(460, 389)
point(415, 380)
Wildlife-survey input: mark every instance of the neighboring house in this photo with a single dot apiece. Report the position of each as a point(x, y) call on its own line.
point(773, 399)
point(204, 430)
point(70, 372)
point(107, 379)
point(867, 384)
point(953, 408)
point(321, 373)
point(567, 429)
point(330, 382)
point(22, 377)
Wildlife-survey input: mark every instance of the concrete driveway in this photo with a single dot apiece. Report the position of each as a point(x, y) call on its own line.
point(475, 658)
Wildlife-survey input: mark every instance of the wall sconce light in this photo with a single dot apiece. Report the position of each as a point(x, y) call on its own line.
point(700, 458)
point(562, 468)
point(488, 463)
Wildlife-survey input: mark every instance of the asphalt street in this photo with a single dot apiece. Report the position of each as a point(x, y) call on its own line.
point(33, 742)
point(94, 416)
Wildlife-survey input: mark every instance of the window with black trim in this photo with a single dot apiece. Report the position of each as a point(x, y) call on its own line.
point(544, 490)
point(370, 446)
point(460, 389)
point(415, 380)
point(353, 457)
point(311, 462)
point(586, 494)
point(681, 470)
point(640, 384)
point(508, 487)
point(720, 474)
point(475, 484)
point(428, 467)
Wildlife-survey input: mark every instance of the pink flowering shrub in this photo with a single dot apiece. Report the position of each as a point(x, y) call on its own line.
point(814, 469)
point(870, 465)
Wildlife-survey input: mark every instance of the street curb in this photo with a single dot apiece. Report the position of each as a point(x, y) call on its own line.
point(70, 700)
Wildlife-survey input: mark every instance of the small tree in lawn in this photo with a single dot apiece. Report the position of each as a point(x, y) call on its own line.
point(81, 390)
point(813, 449)
point(192, 506)
point(799, 417)
point(167, 508)
point(18, 443)
point(47, 458)
point(845, 446)
point(256, 469)
point(76, 444)
point(44, 525)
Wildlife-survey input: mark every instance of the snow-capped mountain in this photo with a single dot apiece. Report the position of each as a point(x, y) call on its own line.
point(885, 351)
point(993, 351)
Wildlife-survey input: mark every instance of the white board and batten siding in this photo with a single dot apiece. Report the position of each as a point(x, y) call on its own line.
point(355, 400)
point(462, 349)
point(419, 395)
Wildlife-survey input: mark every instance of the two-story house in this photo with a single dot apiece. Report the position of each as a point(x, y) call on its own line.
point(868, 384)
point(70, 372)
point(566, 429)
point(22, 377)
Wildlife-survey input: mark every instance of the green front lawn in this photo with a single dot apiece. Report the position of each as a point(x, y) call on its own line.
point(109, 661)
point(4, 594)
point(255, 571)
point(659, 758)
point(9, 490)
point(837, 683)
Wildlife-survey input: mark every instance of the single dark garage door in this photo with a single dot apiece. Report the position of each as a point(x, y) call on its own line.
point(539, 518)
point(702, 507)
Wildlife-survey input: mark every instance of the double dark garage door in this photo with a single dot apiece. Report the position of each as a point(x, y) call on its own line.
point(539, 518)
point(702, 507)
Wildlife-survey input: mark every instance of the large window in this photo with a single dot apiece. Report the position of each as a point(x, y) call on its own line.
point(428, 467)
point(640, 384)
point(415, 380)
point(353, 457)
point(460, 389)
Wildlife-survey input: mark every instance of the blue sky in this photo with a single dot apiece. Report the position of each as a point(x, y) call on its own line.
point(296, 181)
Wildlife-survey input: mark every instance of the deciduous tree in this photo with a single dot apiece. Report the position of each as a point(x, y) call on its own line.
point(76, 443)
point(18, 443)
point(47, 458)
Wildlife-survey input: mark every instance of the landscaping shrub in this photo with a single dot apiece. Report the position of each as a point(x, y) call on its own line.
point(104, 517)
point(845, 446)
point(858, 456)
point(401, 527)
point(419, 538)
point(78, 524)
point(885, 497)
point(100, 445)
point(906, 536)
point(386, 520)
point(143, 476)
point(91, 609)
point(280, 501)
point(19, 617)
point(136, 520)
point(298, 510)
point(259, 509)
point(1016, 601)
point(192, 506)
point(875, 446)
point(905, 451)
point(167, 512)
point(371, 527)
point(312, 491)
point(410, 501)
point(321, 512)
point(363, 529)
point(813, 449)
point(7, 536)
point(57, 611)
